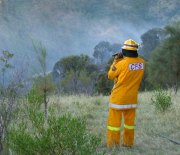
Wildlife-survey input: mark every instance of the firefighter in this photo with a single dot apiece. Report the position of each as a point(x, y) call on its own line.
point(127, 71)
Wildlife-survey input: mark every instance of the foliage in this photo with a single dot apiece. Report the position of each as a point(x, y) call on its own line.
point(103, 51)
point(145, 83)
point(60, 135)
point(75, 63)
point(41, 55)
point(9, 94)
point(103, 85)
point(35, 96)
point(75, 74)
point(5, 64)
point(161, 100)
point(78, 84)
point(5, 102)
point(44, 82)
point(6, 56)
point(150, 40)
point(164, 66)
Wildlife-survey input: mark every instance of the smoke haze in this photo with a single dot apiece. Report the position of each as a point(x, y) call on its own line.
point(75, 26)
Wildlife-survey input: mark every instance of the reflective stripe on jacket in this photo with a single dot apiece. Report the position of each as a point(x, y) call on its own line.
point(122, 106)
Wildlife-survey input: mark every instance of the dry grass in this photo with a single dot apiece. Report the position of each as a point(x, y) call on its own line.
point(150, 124)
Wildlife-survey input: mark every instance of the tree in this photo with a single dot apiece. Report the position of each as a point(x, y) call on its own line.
point(103, 84)
point(5, 58)
point(75, 74)
point(146, 85)
point(5, 109)
point(102, 52)
point(150, 40)
point(9, 93)
point(36, 95)
point(41, 55)
point(164, 68)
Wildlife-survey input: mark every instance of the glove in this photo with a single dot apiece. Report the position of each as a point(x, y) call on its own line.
point(118, 55)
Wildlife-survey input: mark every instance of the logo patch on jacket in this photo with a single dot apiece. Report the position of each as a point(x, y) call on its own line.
point(136, 66)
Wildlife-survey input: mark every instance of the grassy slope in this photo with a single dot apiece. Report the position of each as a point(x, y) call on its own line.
point(149, 123)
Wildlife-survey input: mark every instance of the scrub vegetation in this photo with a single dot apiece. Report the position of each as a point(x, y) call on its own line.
point(151, 125)
point(60, 135)
point(77, 125)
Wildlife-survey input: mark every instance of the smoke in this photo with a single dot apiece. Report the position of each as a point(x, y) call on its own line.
point(64, 27)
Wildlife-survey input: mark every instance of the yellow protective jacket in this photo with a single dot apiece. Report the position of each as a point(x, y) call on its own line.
point(127, 74)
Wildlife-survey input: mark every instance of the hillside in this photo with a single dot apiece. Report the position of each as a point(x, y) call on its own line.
point(73, 27)
point(150, 124)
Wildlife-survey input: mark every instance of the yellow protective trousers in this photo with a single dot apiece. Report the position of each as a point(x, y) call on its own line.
point(114, 124)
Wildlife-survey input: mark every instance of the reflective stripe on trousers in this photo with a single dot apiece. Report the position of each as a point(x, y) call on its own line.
point(118, 129)
point(125, 106)
point(128, 126)
point(113, 128)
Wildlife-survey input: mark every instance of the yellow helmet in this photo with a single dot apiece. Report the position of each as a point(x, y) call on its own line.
point(130, 45)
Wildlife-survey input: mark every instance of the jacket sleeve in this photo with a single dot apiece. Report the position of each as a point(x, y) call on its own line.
point(114, 70)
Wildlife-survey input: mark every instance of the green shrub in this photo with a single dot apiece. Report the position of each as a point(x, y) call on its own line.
point(35, 96)
point(97, 101)
point(61, 135)
point(161, 100)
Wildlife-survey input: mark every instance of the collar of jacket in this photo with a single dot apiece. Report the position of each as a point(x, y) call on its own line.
point(130, 53)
